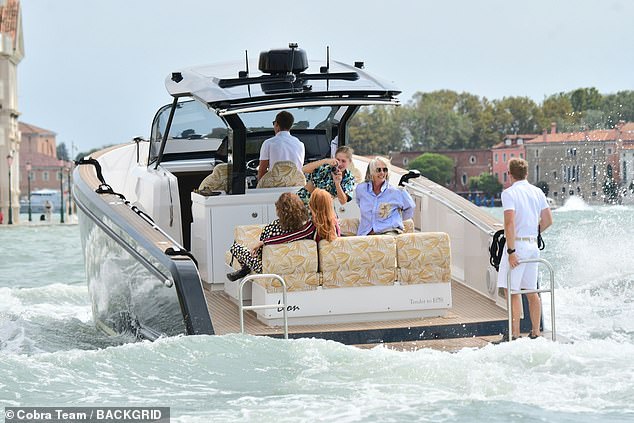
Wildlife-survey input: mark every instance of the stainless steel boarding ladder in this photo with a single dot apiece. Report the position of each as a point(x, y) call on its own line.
point(242, 307)
point(531, 291)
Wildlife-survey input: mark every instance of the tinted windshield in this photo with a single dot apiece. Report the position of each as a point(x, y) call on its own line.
point(318, 117)
point(194, 129)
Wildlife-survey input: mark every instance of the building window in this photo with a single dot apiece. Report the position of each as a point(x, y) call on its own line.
point(594, 173)
point(508, 141)
point(521, 155)
point(536, 153)
point(472, 159)
point(609, 150)
point(520, 141)
point(496, 157)
point(554, 174)
point(59, 176)
point(578, 174)
point(464, 179)
point(536, 172)
point(504, 157)
point(504, 177)
point(555, 194)
point(512, 155)
point(594, 152)
point(45, 175)
point(624, 171)
point(405, 161)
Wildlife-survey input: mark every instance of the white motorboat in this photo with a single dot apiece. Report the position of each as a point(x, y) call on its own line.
point(156, 250)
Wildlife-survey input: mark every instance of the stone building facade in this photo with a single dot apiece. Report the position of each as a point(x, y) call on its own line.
point(11, 53)
point(578, 163)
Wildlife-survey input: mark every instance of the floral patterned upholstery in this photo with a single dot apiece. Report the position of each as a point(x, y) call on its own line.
point(350, 226)
point(217, 180)
point(283, 174)
point(358, 261)
point(423, 257)
point(296, 262)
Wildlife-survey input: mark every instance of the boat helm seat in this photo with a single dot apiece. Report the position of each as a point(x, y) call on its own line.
point(358, 178)
point(217, 180)
point(282, 174)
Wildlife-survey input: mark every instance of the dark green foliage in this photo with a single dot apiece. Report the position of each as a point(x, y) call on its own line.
point(62, 152)
point(543, 186)
point(487, 183)
point(435, 167)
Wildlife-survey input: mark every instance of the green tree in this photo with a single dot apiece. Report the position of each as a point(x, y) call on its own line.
point(377, 130)
point(517, 115)
point(62, 152)
point(583, 99)
point(432, 122)
point(487, 183)
point(435, 167)
point(557, 108)
point(617, 107)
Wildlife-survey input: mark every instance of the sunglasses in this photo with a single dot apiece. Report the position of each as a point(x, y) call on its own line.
point(381, 169)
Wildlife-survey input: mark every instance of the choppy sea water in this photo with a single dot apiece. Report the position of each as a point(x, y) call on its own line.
point(52, 355)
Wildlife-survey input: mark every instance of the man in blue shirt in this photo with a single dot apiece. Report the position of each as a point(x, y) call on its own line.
point(383, 207)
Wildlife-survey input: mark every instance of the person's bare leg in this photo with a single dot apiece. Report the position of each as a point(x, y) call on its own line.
point(535, 310)
point(517, 307)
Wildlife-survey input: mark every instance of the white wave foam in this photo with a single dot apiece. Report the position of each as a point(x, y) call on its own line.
point(573, 203)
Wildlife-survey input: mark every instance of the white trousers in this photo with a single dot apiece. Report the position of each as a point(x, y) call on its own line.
point(523, 276)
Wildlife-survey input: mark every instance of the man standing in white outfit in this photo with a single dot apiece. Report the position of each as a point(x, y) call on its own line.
point(526, 212)
point(283, 146)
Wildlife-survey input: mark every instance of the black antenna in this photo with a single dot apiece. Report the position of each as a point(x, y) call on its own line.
point(325, 69)
point(292, 46)
point(245, 73)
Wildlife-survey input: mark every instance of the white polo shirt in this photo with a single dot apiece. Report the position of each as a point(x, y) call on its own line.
point(527, 201)
point(283, 146)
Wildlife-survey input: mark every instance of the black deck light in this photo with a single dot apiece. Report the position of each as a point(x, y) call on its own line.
point(359, 65)
point(412, 174)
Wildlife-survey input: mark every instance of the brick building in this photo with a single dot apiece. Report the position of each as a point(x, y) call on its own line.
point(467, 164)
point(512, 146)
point(39, 148)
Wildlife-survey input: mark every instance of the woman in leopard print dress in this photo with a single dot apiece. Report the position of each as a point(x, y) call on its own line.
point(292, 225)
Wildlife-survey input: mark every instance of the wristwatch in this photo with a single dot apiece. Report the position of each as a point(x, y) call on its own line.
point(510, 251)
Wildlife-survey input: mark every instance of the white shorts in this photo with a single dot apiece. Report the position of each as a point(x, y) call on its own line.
point(523, 276)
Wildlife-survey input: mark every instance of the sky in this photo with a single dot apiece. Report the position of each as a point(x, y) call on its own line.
point(94, 70)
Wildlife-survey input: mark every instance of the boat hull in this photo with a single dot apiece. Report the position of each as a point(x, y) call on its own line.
point(134, 286)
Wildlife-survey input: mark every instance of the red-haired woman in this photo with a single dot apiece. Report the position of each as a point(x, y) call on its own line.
point(323, 215)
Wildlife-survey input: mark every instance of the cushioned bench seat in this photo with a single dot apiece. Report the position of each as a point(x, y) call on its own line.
point(355, 278)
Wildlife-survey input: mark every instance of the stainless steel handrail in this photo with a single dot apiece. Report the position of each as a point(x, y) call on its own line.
point(242, 307)
point(531, 291)
point(430, 193)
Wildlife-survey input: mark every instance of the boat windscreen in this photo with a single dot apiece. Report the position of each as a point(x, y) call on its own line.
point(194, 129)
point(314, 117)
